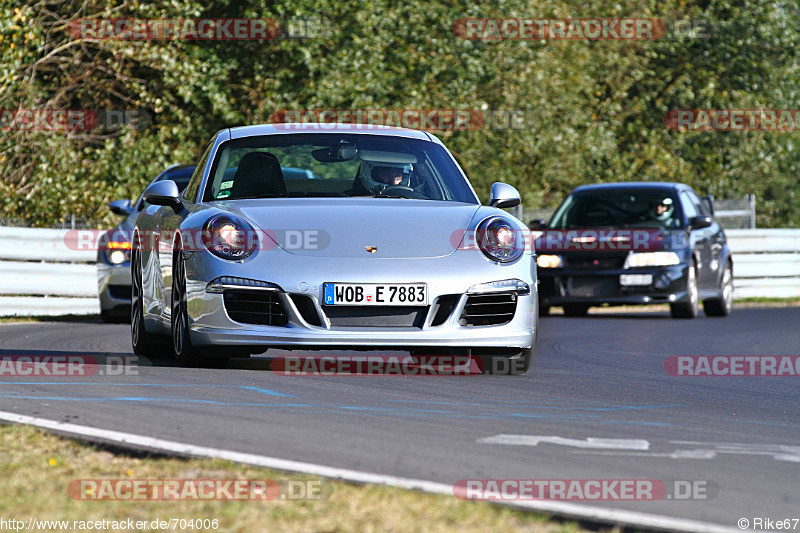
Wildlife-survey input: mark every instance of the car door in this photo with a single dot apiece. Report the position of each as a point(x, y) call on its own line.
point(699, 240)
point(716, 242)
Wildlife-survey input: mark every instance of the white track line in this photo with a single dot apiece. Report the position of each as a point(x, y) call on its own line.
point(565, 509)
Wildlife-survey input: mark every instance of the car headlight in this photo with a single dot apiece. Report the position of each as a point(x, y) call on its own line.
point(500, 240)
point(650, 259)
point(549, 261)
point(229, 238)
point(514, 285)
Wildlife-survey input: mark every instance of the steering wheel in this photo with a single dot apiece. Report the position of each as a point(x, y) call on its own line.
point(409, 192)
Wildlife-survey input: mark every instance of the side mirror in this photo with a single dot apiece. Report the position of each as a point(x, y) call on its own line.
point(163, 193)
point(121, 207)
point(708, 201)
point(503, 196)
point(537, 223)
point(701, 221)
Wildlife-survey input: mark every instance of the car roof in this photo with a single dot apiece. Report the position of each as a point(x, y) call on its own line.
point(361, 129)
point(653, 185)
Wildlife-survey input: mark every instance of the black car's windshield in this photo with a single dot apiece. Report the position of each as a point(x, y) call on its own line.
point(335, 166)
point(628, 208)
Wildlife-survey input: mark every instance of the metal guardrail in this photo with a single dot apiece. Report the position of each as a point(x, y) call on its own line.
point(766, 263)
point(45, 275)
point(48, 277)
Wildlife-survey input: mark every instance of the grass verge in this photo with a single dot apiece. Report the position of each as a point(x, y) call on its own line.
point(36, 468)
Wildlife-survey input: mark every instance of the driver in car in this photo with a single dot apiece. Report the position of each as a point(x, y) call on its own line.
point(388, 175)
point(662, 212)
point(377, 176)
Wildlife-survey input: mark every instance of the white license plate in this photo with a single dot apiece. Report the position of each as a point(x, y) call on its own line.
point(375, 294)
point(628, 280)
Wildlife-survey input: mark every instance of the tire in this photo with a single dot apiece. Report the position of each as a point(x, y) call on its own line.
point(687, 309)
point(576, 310)
point(144, 343)
point(182, 348)
point(721, 306)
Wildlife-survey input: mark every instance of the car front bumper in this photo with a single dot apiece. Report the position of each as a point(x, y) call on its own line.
point(453, 276)
point(559, 286)
point(114, 287)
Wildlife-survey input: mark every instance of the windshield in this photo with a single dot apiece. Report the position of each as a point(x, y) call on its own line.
point(335, 166)
point(629, 208)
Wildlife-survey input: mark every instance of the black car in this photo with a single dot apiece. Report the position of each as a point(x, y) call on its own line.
point(634, 243)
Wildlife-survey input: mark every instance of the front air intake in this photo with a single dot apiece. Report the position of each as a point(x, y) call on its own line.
point(255, 307)
point(489, 309)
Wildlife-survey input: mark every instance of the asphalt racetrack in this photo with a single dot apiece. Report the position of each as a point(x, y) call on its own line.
point(593, 379)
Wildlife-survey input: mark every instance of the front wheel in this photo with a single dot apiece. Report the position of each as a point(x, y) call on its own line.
point(144, 343)
point(185, 352)
point(687, 309)
point(722, 305)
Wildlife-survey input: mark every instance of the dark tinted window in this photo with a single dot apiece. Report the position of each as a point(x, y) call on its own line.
point(640, 208)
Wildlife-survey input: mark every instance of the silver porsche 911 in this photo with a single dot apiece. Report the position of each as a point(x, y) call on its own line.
point(378, 243)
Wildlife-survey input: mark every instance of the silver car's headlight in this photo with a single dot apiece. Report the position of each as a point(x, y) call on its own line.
point(229, 238)
point(500, 240)
point(651, 259)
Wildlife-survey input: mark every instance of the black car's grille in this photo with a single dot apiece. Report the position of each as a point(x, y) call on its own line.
point(592, 286)
point(255, 307)
point(489, 309)
point(595, 262)
point(376, 316)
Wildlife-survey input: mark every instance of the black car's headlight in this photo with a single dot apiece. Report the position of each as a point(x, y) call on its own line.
point(229, 237)
point(500, 240)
